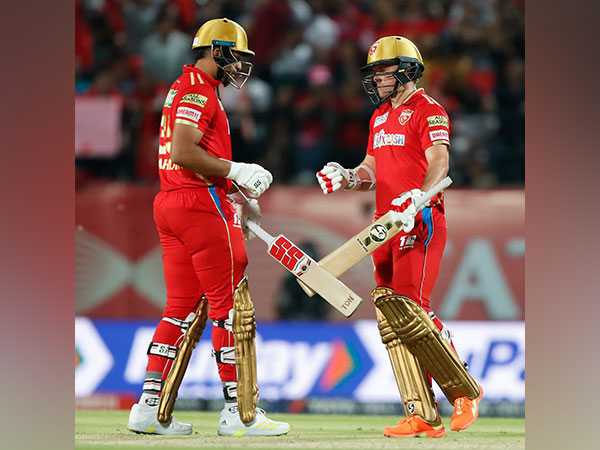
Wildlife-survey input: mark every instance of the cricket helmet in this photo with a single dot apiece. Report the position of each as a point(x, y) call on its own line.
point(392, 50)
point(230, 38)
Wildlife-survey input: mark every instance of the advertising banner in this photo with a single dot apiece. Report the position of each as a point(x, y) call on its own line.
point(298, 360)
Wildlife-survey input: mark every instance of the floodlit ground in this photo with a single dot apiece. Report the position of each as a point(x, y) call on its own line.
point(107, 430)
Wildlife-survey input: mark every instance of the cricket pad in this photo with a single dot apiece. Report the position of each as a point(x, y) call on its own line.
point(416, 393)
point(415, 329)
point(180, 364)
point(244, 331)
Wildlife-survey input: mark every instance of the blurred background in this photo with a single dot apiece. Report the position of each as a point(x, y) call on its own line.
point(302, 107)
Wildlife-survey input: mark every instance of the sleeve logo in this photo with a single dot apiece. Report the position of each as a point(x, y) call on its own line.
point(437, 121)
point(439, 135)
point(188, 113)
point(195, 99)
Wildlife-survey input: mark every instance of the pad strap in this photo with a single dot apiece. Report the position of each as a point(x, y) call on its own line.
point(225, 356)
point(164, 350)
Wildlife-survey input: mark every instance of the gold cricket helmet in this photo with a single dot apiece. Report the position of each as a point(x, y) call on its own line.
point(230, 38)
point(388, 51)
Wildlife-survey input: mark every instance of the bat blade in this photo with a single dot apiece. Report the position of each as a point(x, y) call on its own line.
point(304, 268)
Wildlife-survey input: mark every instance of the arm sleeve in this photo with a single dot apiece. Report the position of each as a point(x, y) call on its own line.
point(433, 126)
point(196, 108)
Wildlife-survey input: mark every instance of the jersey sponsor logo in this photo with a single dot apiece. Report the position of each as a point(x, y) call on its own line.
point(195, 99)
point(439, 135)
point(437, 121)
point(381, 139)
point(380, 120)
point(170, 97)
point(405, 116)
point(188, 113)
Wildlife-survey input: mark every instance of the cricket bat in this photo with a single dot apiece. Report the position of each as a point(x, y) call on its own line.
point(304, 268)
point(367, 240)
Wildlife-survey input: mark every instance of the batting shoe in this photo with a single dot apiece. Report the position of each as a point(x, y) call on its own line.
point(142, 419)
point(414, 426)
point(230, 424)
point(466, 411)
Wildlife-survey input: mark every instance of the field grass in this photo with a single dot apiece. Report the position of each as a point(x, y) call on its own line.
point(107, 430)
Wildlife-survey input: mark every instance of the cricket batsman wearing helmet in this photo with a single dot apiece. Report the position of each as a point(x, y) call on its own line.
point(201, 233)
point(406, 155)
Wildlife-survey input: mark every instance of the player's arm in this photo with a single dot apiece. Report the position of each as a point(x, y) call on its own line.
point(187, 153)
point(434, 130)
point(437, 165)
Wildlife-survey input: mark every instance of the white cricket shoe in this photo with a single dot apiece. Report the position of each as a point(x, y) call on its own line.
point(230, 424)
point(142, 419)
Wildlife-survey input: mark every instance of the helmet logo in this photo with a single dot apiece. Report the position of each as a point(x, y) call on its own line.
point(373, 48)
point(405, 116)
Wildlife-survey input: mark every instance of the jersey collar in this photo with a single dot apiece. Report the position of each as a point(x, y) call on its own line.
point(413, 96)
point(200, 76)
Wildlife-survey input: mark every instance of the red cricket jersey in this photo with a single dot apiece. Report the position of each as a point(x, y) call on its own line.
point(193, 101)
point(398, 139)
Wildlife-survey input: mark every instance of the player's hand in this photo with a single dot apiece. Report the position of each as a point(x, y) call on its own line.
point(404, 211)
point(252, 177)
point(417, 195)
point(250, 211)
point(246, 210)
point(333, 177)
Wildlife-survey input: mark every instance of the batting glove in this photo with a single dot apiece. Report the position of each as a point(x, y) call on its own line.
point(404, 211)
point(252, 177)
point(333, 177)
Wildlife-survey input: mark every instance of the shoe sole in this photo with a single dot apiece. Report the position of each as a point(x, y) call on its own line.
point(429, 434)
point(416, 435)
point(243, 433)
point(154, 433)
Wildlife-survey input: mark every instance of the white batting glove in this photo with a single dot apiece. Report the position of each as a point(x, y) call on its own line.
point(404, 211)
point(252, 177)
point(416, 195)
point(333, 177)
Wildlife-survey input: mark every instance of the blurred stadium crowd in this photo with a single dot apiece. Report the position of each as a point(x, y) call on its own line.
point(304, 104)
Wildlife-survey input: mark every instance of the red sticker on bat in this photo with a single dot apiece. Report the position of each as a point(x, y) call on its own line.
point(290, 256)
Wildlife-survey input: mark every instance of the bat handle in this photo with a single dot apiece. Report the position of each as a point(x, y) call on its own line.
point(259, 232)
point(436, 189)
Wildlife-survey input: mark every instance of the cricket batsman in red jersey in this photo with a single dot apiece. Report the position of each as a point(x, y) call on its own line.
point(200, 225)
point(406, 155)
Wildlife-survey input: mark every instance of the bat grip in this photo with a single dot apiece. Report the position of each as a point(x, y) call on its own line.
point(436, 189)
point(259, 232)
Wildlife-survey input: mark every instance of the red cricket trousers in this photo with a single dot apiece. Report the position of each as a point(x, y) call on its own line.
point(203, 250)
point(409, 263)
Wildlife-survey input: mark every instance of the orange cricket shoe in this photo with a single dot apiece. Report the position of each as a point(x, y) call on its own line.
point(466, 412)
point(414, 426)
